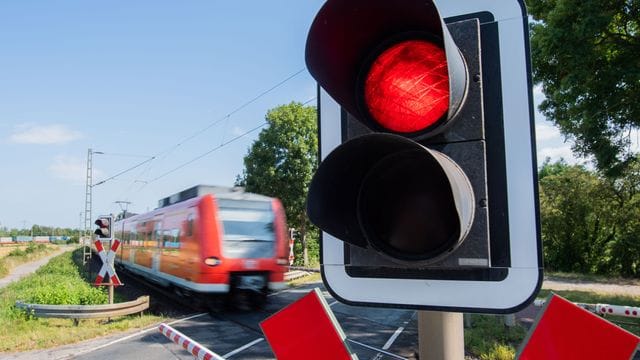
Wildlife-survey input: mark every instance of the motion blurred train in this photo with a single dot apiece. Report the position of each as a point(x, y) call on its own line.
point(208, 240)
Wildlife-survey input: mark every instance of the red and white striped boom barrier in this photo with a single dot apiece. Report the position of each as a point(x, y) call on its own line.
point(199, 351)
point(604, 309)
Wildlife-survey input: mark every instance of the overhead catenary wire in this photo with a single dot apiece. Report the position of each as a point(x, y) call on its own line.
point(210, 125)
point(228, 115)
point(125, 155)
point(207, 153)
point(223, 144)
point(124, 171)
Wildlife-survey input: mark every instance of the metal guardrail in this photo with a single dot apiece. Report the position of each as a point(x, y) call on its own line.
point(86, 311)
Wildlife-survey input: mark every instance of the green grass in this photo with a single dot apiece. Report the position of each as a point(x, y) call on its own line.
point(20, 256)
point(61, 281)
point(630, 324)
point(489, 339)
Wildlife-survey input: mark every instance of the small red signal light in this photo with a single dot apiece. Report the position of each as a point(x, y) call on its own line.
point(406, 89)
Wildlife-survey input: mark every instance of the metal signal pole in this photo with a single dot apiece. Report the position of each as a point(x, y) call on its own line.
point(440, 335)
point(86, 238)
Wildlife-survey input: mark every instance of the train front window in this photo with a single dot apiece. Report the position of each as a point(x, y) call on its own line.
point(247, 221)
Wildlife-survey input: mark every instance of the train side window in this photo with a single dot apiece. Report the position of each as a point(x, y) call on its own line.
point(172, 238)
point(133, 236)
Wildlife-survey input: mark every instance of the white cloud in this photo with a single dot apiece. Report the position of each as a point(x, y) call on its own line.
point(556, 153)
point(71, 169)
point(43, 134)
point(546, 132)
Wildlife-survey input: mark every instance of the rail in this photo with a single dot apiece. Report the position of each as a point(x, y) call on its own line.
point(77, 312)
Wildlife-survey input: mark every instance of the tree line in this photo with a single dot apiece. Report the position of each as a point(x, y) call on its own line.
point(590, 222)
point(39, 230)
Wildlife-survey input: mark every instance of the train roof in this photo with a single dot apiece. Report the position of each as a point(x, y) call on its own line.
point(220, 192)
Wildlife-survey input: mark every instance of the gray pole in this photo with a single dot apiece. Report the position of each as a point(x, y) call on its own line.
point(88, 205)
point(440, 335)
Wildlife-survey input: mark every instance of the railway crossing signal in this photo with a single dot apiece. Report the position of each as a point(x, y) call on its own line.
point(427, 186)
point(107, 268)
point(103, 231)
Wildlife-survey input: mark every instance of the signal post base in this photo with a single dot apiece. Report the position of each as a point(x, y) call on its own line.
point(440, 335)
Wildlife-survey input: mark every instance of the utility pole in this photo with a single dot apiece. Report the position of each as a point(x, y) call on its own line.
point(86, 239)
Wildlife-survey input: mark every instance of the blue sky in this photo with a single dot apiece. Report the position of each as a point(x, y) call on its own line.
point(133, 79)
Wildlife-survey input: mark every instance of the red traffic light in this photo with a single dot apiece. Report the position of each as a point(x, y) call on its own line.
point(406, 89)
point(104, 227)
point(395, 68)
point(103, 223)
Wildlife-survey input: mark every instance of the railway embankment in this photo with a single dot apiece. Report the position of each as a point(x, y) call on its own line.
point(61, 281)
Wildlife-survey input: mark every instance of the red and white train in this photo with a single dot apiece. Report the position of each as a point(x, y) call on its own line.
point(208, 240)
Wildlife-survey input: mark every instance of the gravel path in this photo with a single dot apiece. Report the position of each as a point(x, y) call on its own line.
point(27, 268)
point(580, 285)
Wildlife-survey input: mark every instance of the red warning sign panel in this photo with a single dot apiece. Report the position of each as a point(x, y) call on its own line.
point(107, 264)
point(306, 329)
point(566, 331)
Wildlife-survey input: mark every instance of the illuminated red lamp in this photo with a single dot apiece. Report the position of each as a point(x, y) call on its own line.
point(406, 89)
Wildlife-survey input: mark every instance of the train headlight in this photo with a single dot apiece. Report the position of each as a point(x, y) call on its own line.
point(212, 261)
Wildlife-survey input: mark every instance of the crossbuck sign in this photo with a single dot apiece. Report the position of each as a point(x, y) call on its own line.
point(107, 264)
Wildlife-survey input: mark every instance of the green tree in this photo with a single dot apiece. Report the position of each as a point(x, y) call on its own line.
point(575, 218)
point(622, 256)
point(548, 168)
point(281, 162)
point(586, 56)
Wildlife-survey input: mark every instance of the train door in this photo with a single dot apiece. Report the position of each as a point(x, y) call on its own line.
point(191, 252)
point(157, 237)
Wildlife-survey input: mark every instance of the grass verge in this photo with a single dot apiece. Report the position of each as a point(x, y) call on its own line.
point(489, 339)
point(21, 255)
point(60, 282)
point(313, 277)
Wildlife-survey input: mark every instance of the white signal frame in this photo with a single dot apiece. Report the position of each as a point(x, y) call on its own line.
point(524, 274)
point(111, 237)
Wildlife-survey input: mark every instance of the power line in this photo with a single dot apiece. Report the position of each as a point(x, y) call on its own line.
point(227, 116)
point(124, 171)
point(126, 155)
point(207, 153)
point(217, 147)
point(210, 125)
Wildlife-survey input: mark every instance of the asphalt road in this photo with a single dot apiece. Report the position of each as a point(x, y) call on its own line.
point(236, 335)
